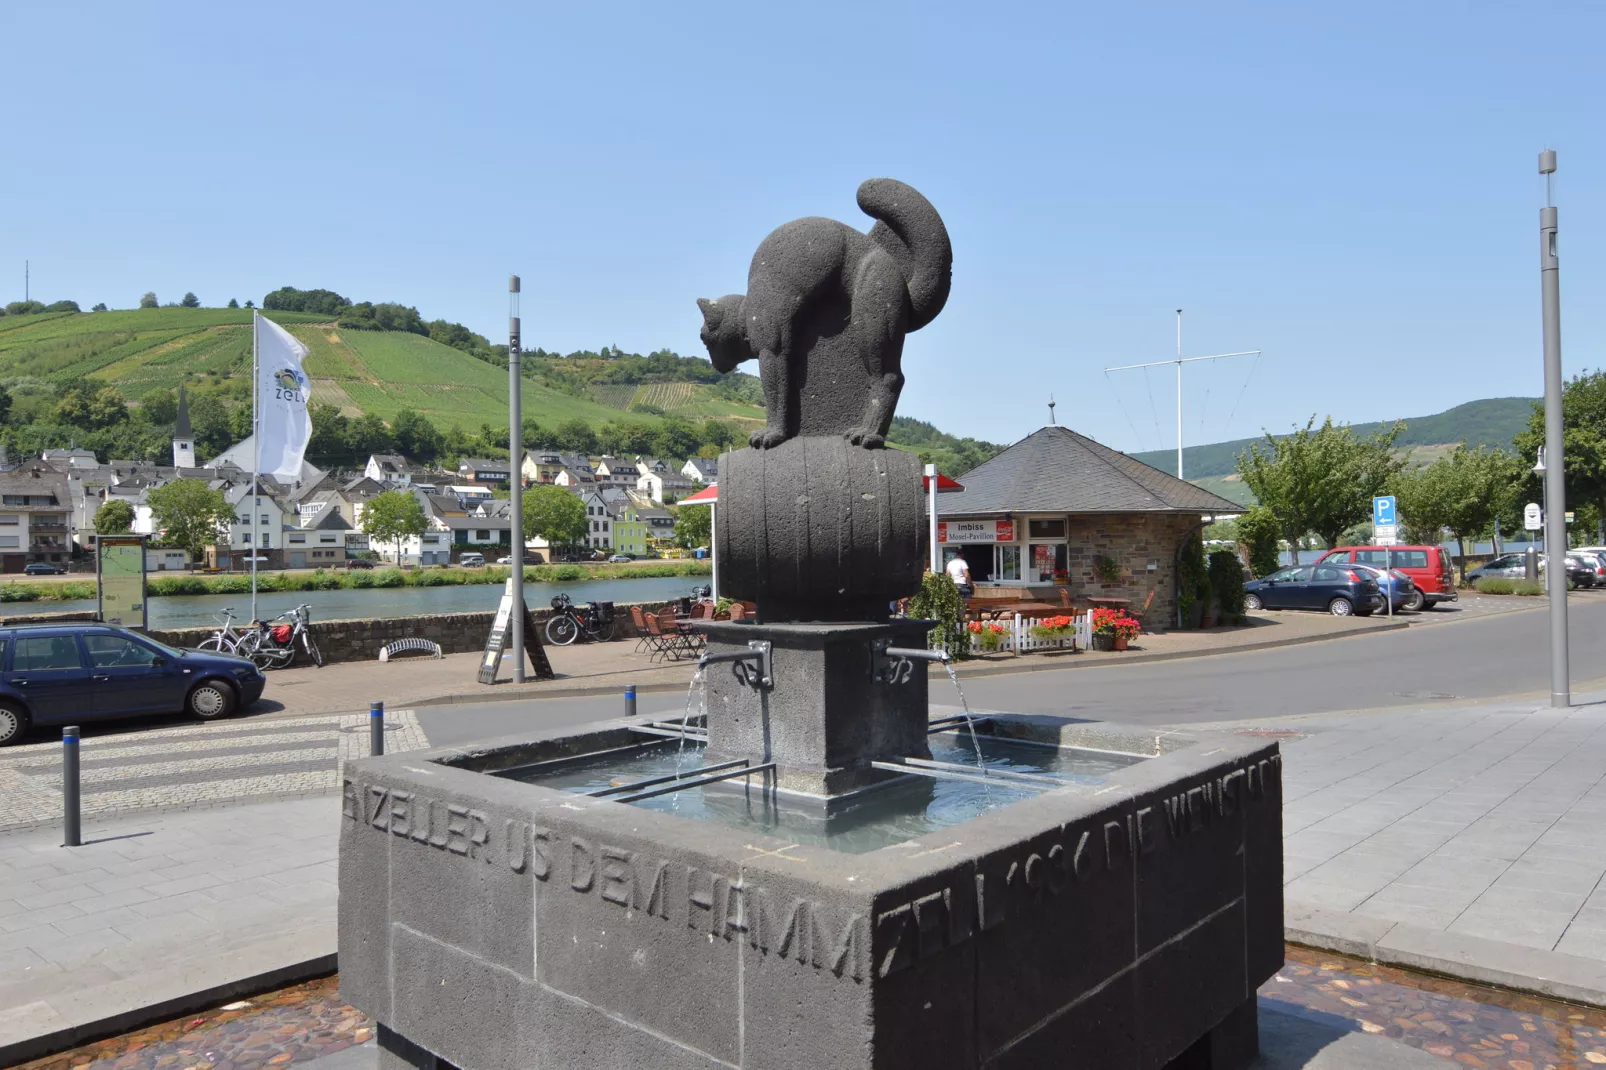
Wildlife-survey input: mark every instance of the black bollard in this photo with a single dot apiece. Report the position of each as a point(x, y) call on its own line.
point(376, 729)
point(71, 826)
point(630, 700)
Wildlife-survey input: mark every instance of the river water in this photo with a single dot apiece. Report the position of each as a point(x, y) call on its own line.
point(188, 611)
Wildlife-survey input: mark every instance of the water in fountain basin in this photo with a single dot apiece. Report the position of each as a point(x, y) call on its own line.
point(901, 811)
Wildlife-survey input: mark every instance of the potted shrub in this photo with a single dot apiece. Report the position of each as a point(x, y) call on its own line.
point(988, 635)
point(1112, 629)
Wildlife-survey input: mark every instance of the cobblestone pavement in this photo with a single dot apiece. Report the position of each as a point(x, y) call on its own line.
point(309, 1025)
point(195, 765)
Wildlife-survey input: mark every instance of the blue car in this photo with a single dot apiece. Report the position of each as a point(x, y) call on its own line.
point(1342, 590)
point(54, 674)
point(1394, 583)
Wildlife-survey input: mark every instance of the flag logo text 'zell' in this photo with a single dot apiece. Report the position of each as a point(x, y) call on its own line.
point(290, 385)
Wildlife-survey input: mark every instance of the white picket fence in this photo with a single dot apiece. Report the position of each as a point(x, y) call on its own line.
point(1018, 637)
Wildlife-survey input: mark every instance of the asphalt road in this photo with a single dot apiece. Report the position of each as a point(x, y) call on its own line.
point(1438, 663)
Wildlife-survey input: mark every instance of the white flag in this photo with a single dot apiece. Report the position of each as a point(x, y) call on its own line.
point(283, 423)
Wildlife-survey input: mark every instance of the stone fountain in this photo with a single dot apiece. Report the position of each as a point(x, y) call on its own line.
point(557, 899)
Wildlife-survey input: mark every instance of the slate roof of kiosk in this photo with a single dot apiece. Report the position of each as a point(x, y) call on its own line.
point(1056, 470)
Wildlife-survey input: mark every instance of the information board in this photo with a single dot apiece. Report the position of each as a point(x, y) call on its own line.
point(961, 531)
point(501, 630)
point(120, 579)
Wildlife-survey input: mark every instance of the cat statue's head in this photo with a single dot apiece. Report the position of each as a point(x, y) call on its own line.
point(723, 332)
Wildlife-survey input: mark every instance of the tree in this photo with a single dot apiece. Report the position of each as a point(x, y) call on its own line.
point(91, 406)
point(114, 518)
point(1463, 491)
point(1258, 532)
point(415, 436)
point(250, 303)
point(575, 436)
point(233, 303)
point(694, 526)
point(63, 306)
point(1583, 422)
point(290, 299)
point(99, 307)
point(719, 434)
point(209, 419)
point(159, 407)
point(557, 516)
point(368, 434)
point(5, 404)
point(676, 438)
point(190, 513)
point(393, 516)
point(149, 300)
point(1320, 481)
point(190, 301)
point(330, 437)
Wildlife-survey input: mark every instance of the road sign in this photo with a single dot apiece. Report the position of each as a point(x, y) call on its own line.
point(1532, 518)
point(1383, 512)
point(1385, 535)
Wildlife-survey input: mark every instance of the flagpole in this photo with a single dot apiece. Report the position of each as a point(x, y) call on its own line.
point(256, 459)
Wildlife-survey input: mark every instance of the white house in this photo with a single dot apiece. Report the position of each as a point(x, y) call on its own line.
point(665, 487)
point(702, 470)
point(258, 522)
point(599, 521)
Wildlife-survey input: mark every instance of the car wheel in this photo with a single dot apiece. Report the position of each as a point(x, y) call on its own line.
point(1417, 602)
point(13, 724)
point(211, 700)
point(1429, 605)
point(1252, 603)
point(1341, 607)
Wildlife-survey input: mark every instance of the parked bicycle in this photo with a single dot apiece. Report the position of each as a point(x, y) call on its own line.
point(228, 640)
point(278, 639)
point(594, 621)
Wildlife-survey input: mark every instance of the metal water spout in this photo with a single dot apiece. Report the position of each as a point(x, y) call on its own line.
point(752, 666)
point(896, 664)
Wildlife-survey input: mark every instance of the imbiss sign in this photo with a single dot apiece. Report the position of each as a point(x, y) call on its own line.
point(958, 531)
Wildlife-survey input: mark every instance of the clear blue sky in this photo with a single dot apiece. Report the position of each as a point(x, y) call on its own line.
point(1350, 188)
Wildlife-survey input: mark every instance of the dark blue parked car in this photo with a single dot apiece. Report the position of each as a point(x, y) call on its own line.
point(52, 674)
point(1339, 589)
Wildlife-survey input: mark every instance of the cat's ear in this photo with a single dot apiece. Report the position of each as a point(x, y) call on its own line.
point(705, 304)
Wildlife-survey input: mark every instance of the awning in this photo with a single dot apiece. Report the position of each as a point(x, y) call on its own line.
point(707, 496)
point(944, 484)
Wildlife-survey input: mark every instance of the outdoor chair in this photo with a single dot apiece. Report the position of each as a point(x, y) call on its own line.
point(738, 611)
point(660, 643)
point(682, 641)
point(643, 640)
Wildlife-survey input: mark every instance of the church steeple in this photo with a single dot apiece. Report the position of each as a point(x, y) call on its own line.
point(183, 438)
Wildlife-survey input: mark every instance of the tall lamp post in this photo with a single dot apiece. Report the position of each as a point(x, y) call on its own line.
point(1555, 462)
point(515, 485)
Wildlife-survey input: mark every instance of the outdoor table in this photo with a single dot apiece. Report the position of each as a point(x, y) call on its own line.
point(1111, 603)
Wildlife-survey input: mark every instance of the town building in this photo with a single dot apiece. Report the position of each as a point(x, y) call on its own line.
point(35, 505)
point(702, 470)
point(483, 471)
point(1058, 511)
point(617, 471)
point(258, 525)
point(599, 521)
point(541, 466)
point(316, 539)
point(665, 487)
point(391, 469)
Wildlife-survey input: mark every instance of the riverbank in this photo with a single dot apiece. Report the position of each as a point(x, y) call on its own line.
point(166, 586)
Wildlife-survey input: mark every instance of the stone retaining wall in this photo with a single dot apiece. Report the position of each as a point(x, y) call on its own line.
point(362, 639)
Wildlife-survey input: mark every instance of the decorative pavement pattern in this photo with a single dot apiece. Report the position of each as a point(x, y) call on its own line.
point(1463, 1024)
point(194, 765)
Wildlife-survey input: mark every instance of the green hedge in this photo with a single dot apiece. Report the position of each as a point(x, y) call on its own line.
point(1500, 585)
point(354, 579)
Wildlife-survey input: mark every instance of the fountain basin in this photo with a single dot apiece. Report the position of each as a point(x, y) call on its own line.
point(1123, 919)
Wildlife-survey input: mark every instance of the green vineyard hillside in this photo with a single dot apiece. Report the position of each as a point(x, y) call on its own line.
point(379, 372)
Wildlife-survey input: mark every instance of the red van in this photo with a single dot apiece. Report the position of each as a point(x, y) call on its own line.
point(1428, 566)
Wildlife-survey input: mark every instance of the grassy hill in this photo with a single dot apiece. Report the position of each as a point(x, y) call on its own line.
point(1489, 422)
point(379, 372)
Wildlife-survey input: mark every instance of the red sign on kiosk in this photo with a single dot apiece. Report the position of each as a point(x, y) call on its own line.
point(964, 531)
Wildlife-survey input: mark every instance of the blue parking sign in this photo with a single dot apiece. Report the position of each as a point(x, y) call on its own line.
point(1383, 511)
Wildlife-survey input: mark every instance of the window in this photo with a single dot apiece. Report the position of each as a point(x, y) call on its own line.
point(298, 538)
point(10, 518)
point(11, 541)
point(1049, 562)
point(108, 651)
point(482, 536)
point(267, 541)
point(246, 538)
point(265, 519)
point(328, 538)
point(1327, 575)
point(40, 652)
point(1008, 563)
point(245, 518)
point(1045, 529)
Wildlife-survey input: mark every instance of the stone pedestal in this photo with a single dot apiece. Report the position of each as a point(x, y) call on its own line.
point(824, 717)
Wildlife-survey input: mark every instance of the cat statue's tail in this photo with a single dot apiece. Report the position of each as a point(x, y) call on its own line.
point(911, 230)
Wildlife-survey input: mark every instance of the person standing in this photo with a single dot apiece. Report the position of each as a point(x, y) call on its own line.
point(959, 572)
